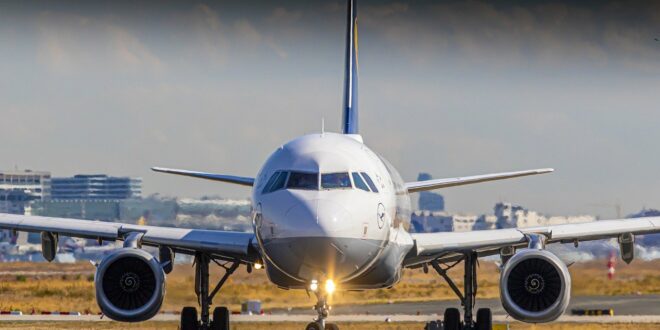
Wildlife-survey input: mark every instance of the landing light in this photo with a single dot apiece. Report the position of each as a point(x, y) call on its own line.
point(314, 286)
point(329, 286)
point(258, 266)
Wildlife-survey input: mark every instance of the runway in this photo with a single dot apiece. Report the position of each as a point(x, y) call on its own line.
point(622, 305)
point(628, 309)
point(303, 318)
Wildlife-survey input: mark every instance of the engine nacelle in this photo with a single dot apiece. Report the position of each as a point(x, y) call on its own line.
point(130, 285)
point(535, 286)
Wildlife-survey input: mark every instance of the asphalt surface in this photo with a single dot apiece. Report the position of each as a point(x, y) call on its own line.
point(655, 319)
point(627, 309)
point(622, 305)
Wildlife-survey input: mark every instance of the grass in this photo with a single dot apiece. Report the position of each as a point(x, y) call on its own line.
point(70, 287)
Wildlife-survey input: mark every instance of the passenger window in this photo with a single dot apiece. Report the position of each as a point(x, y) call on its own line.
point(306, 181)
point(359, 183)
point(276, 182)
point(369, 182)
point(335, 181)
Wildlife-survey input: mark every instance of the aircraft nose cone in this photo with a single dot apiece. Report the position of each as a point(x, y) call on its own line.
point(319, 237)
point(321, 217)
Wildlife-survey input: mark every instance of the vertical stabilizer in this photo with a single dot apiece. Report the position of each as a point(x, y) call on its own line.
point(350, 113)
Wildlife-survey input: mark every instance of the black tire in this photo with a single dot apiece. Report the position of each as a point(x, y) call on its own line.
point(313, 326)
point(452, 320)
point(433, 325)
point(220, 319)
point(189, 318)
point(484, 319)
point(331, 326)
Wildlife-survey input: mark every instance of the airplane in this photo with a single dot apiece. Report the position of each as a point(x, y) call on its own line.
point(331, 214)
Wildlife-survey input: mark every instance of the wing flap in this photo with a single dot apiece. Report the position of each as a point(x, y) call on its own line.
point(240, 180)
point(459, 181)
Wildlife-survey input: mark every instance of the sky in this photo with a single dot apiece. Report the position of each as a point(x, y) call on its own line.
point(446, 87)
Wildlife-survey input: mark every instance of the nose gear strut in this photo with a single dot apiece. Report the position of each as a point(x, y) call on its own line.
point(323, 310)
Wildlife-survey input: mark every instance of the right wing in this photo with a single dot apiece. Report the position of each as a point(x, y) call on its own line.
point(244, 181)
point(448, 245)
point(459, 181)
point(222, 244)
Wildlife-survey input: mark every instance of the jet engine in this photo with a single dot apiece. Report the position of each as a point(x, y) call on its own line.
point(130, 285)
point(535, 286)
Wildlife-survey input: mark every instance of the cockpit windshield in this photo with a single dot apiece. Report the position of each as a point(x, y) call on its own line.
point(305, 181)
point(335, 181)
point(310, 181)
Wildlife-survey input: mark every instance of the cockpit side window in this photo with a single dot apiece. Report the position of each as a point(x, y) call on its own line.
point(276, 182)
point(359, 183)
point(305, 181)
point(335, 181)
point(369, 182)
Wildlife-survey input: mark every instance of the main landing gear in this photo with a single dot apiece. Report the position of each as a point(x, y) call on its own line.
point(452, 317)
point(189, 320)
point(322, 310)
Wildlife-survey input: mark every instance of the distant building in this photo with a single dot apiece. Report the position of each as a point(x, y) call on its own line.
point(515, 216)
point(429, 201)
point(19, 188)
point(485, 222)
point(106, 210)
point(428, 221)
point(15, 201)
point(96, 187)
point(506, 215)
point(34, 183)
point(438, 221)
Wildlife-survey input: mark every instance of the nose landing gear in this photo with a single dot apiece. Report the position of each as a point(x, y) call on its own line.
point(322, 310)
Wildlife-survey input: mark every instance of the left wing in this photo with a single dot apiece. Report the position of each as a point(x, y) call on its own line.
point(240, 180)
point(459, 181)
point(448, 245)
point(222, 244)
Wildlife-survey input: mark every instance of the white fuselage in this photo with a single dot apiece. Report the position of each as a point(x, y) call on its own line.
point(327, 207)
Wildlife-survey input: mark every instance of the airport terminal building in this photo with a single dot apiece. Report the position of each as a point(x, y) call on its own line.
point(96, 187)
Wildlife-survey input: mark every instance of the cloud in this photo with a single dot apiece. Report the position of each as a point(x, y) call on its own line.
point(70, 43)
point(557, 34)
point(283, 16)
point(201, 36)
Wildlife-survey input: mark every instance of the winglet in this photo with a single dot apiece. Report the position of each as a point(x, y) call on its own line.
point(244, 181)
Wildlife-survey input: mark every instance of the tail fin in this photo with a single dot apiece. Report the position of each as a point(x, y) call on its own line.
point(350, 117)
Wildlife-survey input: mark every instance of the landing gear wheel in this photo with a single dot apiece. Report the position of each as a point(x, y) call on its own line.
point(331, 326)
point(452, 320)
point(189, 318)
point(220, 319)
point(313, 326)
point(484, 319)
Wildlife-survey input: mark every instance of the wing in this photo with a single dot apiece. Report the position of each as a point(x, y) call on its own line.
point(450, 182)
point(223, 244)
point(448, 245)
point(240, 180)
